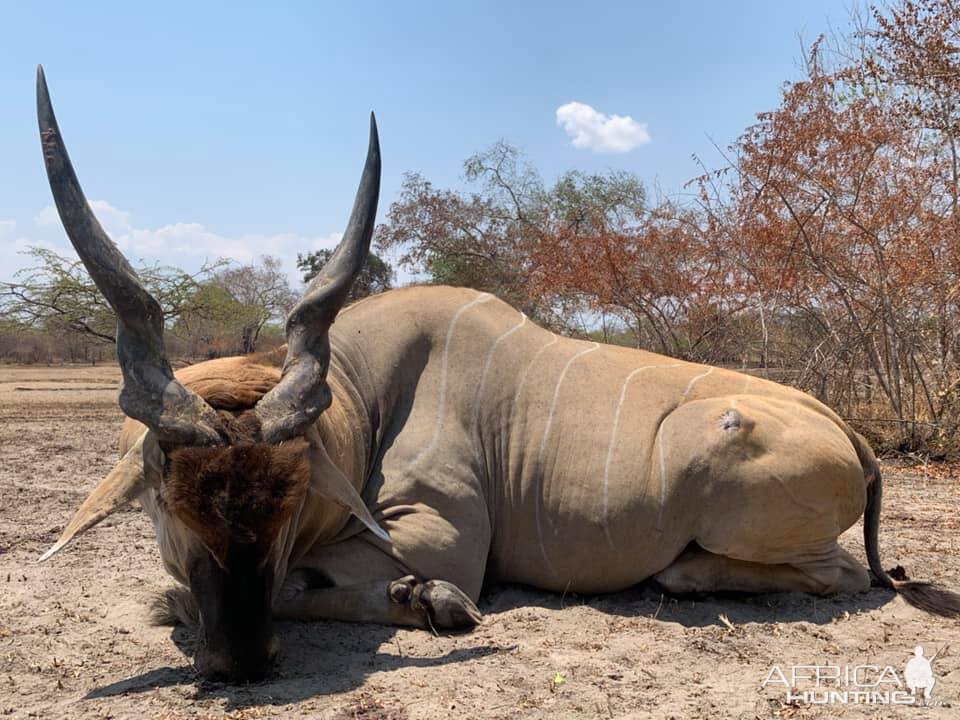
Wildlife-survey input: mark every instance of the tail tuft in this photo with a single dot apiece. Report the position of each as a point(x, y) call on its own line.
point(930, 597)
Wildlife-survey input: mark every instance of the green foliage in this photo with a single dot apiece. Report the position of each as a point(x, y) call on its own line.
point(375, 275)
point(221, 309)
point(57, 295)
point(237, 303)
point(458, 270)
point(582, 201)
point(487, 239)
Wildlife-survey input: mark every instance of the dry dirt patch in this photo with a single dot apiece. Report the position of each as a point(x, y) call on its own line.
point(74, 642)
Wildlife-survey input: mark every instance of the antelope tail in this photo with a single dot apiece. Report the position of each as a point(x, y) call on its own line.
point(922, 595)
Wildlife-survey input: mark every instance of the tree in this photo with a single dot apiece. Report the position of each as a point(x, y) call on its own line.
point(489, 239)
point(216, 328)
point(260, 292)
point(580, 202)
point(56, 295)
point(658, 271)
point(375, 276)
point(220, 309)
point(839, 216)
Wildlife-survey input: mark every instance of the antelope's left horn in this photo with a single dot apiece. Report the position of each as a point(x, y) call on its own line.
point(150, 393)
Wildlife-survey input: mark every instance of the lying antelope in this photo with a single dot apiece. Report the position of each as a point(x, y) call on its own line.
point(434, 438)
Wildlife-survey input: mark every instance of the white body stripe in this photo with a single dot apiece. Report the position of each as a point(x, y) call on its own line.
point(486, 367)
point(526, 370)
point(537, 501)
point(694, 381)
point(441, 404)
point(612, 444)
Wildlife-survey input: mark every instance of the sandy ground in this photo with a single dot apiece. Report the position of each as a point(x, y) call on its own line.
point(74, 641)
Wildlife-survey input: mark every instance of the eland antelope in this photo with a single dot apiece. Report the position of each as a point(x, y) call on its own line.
point(434, 438)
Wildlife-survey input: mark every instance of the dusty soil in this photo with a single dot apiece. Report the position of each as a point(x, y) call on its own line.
point(74, 641)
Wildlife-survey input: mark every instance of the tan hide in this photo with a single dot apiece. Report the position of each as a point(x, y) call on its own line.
point(574, 465)
point(131, 476)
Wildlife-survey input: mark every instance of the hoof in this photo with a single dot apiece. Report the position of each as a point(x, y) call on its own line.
point(444, 604)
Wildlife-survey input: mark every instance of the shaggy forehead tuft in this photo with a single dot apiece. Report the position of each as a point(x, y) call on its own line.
point(240, 493)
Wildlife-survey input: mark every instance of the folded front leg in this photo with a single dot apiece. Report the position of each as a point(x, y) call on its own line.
point(406, 601)
point(355, 581)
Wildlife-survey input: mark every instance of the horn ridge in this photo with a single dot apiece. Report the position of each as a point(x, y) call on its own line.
point(150, 393)
point(302, 393)
point(328, 290)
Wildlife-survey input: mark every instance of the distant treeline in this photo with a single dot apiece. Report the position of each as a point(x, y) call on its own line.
point(824, 252)
point(52, 312)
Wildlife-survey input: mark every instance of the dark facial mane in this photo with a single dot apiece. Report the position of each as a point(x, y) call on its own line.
point(239, 494)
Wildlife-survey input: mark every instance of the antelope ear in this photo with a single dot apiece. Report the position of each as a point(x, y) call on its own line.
point(132, 475)
point(326, 479)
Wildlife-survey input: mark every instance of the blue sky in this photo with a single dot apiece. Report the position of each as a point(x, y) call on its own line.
point(209, 129)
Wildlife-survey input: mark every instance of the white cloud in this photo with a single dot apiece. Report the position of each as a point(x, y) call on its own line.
point(114, 221)
point(593, 130)
point(189, 244)
point(7, 226)
point(47, 217)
